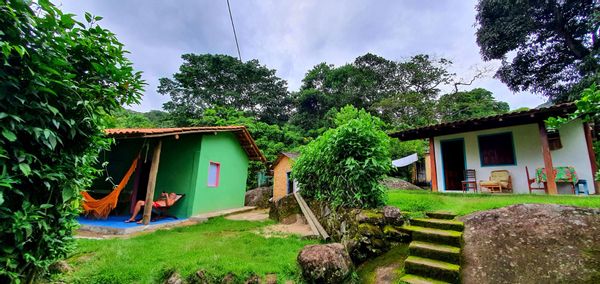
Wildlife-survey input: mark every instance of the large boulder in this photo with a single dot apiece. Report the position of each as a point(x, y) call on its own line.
point(259, 197)
point(328, 263)
point(285, 210)
point(532, 243)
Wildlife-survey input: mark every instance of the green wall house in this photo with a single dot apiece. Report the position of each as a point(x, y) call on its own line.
point(207, 164)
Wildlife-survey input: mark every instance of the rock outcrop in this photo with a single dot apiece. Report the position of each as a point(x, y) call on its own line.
point(285, 210)
point(328, 263)
point(365, 233)
point(532, 243)
point(396, 183)
point(259, 197)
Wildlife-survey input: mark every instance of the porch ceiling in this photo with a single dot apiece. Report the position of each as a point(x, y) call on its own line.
point(488, 122)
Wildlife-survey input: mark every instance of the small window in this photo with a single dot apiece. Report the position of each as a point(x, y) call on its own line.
point(496, 149)
point(554, 142)
point(214, 170)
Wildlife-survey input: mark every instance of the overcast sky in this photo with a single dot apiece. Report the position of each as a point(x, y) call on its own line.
point(293, 36)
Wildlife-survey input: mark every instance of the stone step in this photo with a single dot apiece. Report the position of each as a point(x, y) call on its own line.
point(430, 235)
point(443, 224)
point(435, 251)
point(416, 279)
point(441, 215)
point(435, 269)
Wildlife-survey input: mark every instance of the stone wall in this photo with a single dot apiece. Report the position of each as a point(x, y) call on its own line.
point(365, 233)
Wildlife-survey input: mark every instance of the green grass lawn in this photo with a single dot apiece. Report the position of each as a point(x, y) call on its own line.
point(417, 202)
point(218, 246)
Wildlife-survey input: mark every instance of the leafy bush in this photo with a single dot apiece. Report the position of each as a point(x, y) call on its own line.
point(58, 81)
point(344, 165)
point(588, 108)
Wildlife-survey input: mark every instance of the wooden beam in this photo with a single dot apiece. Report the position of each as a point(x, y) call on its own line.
point(587, 130)
point(434, 184)
point(550, 182)
point(152, 183)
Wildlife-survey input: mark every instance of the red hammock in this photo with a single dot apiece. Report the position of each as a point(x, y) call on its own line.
point(100, 208)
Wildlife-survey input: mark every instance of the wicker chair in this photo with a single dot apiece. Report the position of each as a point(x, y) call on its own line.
point(500, 181)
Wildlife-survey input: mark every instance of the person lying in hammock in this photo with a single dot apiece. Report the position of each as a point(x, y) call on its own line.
point(165, 200)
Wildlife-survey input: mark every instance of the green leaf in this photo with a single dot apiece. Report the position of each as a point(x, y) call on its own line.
point(47, 90)
point(46, 206)
point(25, 169)
point(88, 17)
point(68, 193)
point(1, 198)
point(9, 135)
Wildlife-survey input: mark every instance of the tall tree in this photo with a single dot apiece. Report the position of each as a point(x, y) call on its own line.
point(206, 81)
point(469, 104)
point(416, 85)
point(397, 91)
point(556, 44)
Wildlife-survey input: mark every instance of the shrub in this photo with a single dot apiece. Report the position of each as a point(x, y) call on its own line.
point(344, 165)
point(58, 81)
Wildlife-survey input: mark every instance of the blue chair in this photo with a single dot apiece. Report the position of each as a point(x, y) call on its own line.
point(583, 183)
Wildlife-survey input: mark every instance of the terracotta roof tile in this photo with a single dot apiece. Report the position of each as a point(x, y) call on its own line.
point(241, 133)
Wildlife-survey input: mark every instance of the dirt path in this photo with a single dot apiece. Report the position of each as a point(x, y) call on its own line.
point(299, 228)
point(254, 215)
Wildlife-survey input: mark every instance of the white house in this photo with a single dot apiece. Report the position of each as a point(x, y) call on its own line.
point(511, 142)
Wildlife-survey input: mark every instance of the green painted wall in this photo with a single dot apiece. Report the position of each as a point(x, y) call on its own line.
point(223, 148)
point(183, 168)
point(177, 171)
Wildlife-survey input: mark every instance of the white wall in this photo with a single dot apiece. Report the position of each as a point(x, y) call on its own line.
point(528, 152)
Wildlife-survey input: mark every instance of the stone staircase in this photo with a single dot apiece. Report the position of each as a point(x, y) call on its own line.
point(434, 253)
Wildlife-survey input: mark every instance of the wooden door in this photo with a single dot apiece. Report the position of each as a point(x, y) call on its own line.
point(453, 159)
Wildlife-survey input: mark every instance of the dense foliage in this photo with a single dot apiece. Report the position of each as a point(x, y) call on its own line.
point(59, 78)
point(464, 105)
point(207, 81)
point(125, 118)
point(554, 44)
point(344, 165)
point(402, 93)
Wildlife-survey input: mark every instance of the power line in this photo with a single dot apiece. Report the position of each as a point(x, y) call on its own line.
point(234, 33)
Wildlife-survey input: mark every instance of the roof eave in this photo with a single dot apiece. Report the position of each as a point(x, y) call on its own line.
point(491, 122)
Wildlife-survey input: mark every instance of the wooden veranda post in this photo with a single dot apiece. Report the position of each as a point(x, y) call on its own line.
point(151, 183)
point(587, 130)
point(434, 184)
point(550, 182)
